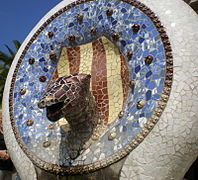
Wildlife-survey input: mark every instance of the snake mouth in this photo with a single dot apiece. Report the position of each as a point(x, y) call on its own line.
point(54, 112)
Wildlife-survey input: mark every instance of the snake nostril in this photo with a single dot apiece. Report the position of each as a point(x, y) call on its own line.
point(41, 104)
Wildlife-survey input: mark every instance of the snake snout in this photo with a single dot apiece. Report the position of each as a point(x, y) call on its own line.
point(46, 101)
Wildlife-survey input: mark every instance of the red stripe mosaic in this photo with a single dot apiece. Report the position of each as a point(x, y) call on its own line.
point(99, 79)
point(125, 77)
point(74, 59)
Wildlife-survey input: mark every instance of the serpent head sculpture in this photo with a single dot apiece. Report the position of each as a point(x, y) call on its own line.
point(69, 97)
point(66, 95)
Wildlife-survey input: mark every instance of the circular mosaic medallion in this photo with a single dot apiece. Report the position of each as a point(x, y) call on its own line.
point(124, 47)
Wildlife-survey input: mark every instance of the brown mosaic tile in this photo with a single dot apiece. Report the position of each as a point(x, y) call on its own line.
point(74, 59)
point(99, 79)
point(125, 77)
point(42, 78)
point(109, 12)
point(50, 34)
point(31, 61)
point(55, 75)
point(80, 17)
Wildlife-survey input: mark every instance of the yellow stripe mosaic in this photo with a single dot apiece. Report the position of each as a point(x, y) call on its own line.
point(86, 55)
point(114, 84)
point(63, 63)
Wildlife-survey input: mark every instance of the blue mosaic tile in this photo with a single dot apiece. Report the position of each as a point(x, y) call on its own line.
point(149, 78)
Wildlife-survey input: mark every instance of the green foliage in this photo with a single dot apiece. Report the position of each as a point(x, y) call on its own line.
point(5, 63)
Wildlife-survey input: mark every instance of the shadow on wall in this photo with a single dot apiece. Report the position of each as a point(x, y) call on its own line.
point(192, 173)
point(5, 161)
point(6, 167)
point(193, 4)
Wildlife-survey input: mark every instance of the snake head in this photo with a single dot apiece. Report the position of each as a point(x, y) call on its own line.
point(63, 94)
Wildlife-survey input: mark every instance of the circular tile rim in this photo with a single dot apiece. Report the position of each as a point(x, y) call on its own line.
point(144, 132)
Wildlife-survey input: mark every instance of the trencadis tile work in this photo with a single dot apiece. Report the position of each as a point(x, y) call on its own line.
point(124, 47)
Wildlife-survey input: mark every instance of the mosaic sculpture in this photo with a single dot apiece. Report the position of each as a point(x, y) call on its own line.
point(134, 61)
point(69, 97)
